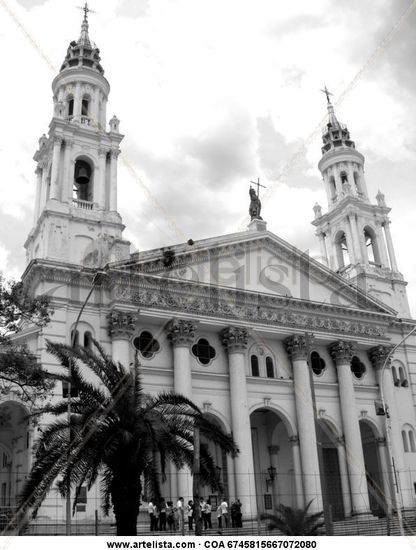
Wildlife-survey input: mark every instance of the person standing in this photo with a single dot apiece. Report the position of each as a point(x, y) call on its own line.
point(190, 514)
point(151, 512)
point(208, 523)
point(224, 512)
point(170, 516)
point(203, 507)
point(239, 514)
point(162, 515)
point(181, 514)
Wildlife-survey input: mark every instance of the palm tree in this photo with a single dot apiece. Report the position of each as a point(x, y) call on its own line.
point(294, 521)
point(115, 434)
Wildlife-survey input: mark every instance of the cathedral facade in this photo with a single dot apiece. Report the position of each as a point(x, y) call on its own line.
point(290, 355)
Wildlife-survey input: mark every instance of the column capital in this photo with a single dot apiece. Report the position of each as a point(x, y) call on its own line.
point(57, 140)
point(297, 346)
point(340, 441)
point(342, 352)
point(381, 441)
point(181, 332)
point(121, 324)
point(102, 152)
point(234, 339)
point(115, 153)
point(378, 356)
point(294, 440)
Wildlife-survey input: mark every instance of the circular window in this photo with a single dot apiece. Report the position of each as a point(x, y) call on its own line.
point(146, 344)
point(357, 367)
point(317, 363)
point(203, 351)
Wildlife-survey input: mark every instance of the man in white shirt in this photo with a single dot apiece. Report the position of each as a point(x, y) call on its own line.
point(224, 511)
point(181, 514)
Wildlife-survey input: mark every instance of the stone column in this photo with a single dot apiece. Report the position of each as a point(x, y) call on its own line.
point(355, 238)
point(378, 356)
point(381, 246)
point(102, 167)
point(363, 248)
point(297, 349)
point(235, 341)
point(390, 246)
point(44, 186)
point(181, 334)
point(77, 102)
point(56, 155)
point(96, 111)
point(121, 326)
point(350, 242)
point(343, 474)
point(113, 179)
point(38, 173)
point(68, 174)
point(294, 441)
point(324, 253)
point(342, 353)
point(386, 476)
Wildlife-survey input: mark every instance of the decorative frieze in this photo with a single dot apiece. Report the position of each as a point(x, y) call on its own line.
point(379, 355)
point(342, 352)
point(121, 324)
point(181, 332)
point(235, 339)
point(298, 346)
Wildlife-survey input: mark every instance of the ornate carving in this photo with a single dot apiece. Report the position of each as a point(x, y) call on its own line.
point(121, 324)
point(181, 332)
point(342, 352)
point(297, 346)
point(234, 339)
point(340, 441)
point(378, 356)
point(381, 441)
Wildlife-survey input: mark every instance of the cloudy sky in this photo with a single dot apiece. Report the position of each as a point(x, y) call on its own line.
point(212, 94)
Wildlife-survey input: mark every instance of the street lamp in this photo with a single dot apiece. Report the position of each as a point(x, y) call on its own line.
point(384, 410)
point(272, 476)
point(97, 280)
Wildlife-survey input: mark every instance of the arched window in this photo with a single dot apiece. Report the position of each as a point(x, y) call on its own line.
point(82, 181)
point(317, 363)
point(85, 106)
point(344, 177)
point(396, 381)
point(341, 249)
point(402, 378)
point(255, 371)
point(203, 351)
point(269, 367)
point(412, 445)
point(371, 245)
point(88, 340)
point(70, 107)
point(357, 367)
point(405, 443)
point(332, 186)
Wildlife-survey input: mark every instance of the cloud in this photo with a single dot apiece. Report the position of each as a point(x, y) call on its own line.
point(133, 8)
point(29, 4)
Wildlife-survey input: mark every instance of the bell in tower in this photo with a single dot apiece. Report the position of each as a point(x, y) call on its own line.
point(82, 181)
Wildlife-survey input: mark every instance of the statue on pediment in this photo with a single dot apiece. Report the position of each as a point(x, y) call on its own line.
point(255, 205)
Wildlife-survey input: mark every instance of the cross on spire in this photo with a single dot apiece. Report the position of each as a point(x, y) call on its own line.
point(327, 93)
point(86, 10)
point(258, 186)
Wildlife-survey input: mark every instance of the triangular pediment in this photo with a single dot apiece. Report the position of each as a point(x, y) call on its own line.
point(255, 262)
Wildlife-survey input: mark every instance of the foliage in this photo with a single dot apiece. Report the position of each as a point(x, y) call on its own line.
point(114, 434)
point(20, 371)
point(295, 521)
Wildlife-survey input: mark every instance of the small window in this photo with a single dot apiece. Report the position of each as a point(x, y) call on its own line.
point(71, 107)
point(203, 351)
point(146, 344)
point(396, 381)
point(344, 177)
point(357, 367)
point(74, 390)
point(85, 107)
point(255, 371)
point(402, 377)
point(317, 363)
point(88, 340)
point(5, 460)
point(269, 367)
point(405, 443)
point(412, 441)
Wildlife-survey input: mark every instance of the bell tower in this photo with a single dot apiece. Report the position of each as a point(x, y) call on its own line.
point(354, 234)
point(76, 219)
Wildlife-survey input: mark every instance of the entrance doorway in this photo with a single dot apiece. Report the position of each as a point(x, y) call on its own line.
point(372, 468)
point(330, 472)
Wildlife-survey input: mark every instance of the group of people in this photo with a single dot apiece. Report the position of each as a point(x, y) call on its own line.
point(165, 516)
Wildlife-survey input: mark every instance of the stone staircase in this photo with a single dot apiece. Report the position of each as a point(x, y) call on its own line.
point(374, 526)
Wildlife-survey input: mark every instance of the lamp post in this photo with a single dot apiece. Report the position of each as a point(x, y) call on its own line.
point(396, 488)
point(97, 280)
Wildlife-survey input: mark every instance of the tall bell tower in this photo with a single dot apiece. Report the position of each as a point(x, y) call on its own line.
point(76, 219)
point(355, 234)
